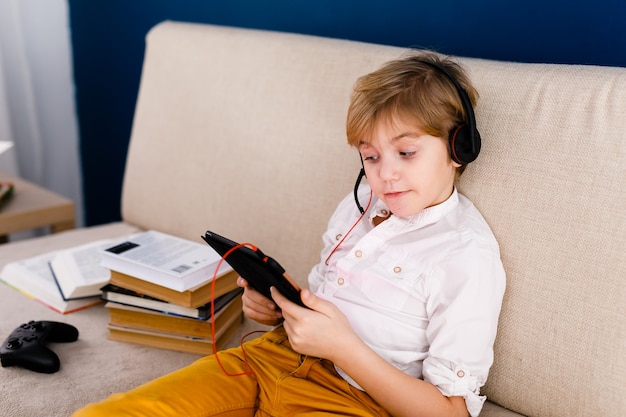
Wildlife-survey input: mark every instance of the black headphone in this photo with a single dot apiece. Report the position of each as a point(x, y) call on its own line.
point(463, 139)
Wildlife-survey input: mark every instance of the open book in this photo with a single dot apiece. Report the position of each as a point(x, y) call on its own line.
point(77, 271)
point(33, 278)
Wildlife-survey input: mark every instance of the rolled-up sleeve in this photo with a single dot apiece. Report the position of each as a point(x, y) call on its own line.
point(466, 295)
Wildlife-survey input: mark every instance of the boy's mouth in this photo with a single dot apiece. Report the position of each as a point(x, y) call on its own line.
point(395, 194)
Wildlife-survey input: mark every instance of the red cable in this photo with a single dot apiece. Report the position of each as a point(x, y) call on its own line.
point(350, 231)
point(254, 248)
point(213, 339)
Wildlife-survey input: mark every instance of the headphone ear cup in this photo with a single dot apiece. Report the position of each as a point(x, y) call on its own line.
point(464, 146)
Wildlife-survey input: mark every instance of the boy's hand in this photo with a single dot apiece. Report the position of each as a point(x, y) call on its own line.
point(322, 332)
point(258, 307)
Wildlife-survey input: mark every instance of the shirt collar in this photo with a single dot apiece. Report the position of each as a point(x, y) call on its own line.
point(425, 217)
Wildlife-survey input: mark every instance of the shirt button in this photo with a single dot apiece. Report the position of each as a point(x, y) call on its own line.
point(384, 212)
point(340, 281)
point(358, 253)
point(460, 373)
point(397, 269)
point(339, 236)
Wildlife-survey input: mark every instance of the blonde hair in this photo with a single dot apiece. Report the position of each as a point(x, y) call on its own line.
point(412, 91)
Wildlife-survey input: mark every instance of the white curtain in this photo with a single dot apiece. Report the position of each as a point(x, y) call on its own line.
point(8, 164)
point(37, 103)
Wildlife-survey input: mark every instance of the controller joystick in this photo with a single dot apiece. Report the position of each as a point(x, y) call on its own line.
point(25, 346)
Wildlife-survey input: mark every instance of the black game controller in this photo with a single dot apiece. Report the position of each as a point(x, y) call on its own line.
point(25, 346)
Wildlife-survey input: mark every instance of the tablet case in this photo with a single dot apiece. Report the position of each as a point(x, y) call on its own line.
point(261, 271)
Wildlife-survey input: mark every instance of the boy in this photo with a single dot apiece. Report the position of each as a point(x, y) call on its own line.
point(405, 300)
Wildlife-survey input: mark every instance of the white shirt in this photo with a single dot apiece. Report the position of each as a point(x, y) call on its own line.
point(423, 292)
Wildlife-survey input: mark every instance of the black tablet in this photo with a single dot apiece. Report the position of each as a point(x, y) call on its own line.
point(261, 271)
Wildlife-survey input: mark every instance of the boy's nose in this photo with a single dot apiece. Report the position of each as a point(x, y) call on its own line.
point(388, 169)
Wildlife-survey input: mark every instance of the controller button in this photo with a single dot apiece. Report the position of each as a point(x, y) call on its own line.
point(14, 343)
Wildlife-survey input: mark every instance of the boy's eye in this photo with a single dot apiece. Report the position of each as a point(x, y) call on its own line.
point(407, 154)
point(370, 158)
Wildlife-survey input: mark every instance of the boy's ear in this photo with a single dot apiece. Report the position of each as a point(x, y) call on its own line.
point(456, 163)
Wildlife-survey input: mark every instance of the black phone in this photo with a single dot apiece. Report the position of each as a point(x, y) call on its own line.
point(261, 271)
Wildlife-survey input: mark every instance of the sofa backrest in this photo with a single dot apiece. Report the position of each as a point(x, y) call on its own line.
point(242, 132)
point(550, 183)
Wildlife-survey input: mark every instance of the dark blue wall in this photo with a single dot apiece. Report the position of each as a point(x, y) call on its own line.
point(108, 44)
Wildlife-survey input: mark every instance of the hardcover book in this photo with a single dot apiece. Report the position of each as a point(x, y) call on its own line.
point(139, 318)
point(192, 298)
point(120, 295)
point(162, 259)
point(177, 342)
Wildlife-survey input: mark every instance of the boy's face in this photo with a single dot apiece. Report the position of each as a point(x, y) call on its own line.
point(407, 169)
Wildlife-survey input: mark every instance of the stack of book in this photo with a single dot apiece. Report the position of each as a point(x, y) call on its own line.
point(158, 289)
point(168, 292)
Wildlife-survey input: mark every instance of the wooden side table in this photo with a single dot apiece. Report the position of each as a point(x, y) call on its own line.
point(33, 207)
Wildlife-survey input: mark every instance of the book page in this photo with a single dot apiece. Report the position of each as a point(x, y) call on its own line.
point(85, 263)
point(31, 273)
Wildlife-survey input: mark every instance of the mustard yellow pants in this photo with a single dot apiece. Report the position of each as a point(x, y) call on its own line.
point(284, 383)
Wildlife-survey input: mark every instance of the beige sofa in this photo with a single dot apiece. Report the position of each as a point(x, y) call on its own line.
point(242, 132)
